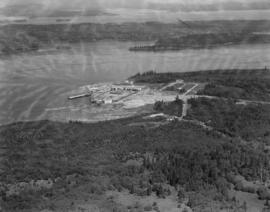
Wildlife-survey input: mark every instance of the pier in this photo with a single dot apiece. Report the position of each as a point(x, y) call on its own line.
point(79, 96)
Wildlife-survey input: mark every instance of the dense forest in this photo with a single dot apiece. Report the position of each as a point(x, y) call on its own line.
point(206, 40)
point(250, 89)
point(170, 108)
point(212, 76)
point(181, 154)
point(251, 121)
point(148, 31)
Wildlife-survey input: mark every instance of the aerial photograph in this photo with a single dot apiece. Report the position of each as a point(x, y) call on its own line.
point(134, 105)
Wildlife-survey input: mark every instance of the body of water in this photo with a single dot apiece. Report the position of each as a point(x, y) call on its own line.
point(32, 82)
point(143, 15)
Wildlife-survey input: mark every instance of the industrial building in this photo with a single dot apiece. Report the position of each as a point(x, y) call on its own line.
point(124, 87)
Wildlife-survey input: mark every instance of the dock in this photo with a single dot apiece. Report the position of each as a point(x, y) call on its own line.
point(79, 96)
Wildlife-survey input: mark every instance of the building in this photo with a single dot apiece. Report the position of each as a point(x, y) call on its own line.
point(125, 87)
point(108, 101)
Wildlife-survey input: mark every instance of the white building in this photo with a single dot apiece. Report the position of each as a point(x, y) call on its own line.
point(126, 88)
point(108, 101)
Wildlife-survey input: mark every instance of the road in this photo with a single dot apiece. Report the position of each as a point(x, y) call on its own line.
point(185, 97)
point(171, 84)
point(243, 101)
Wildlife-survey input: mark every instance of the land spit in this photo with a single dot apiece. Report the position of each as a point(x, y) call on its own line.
point(108, 101)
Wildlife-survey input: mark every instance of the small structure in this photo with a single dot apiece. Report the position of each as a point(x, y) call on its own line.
point(129, 82)
point(180, 81)
point(123, 87)
point(108, 101)
point(80, 96)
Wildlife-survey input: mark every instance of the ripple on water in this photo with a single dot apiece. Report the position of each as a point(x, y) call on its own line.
point(31, 83)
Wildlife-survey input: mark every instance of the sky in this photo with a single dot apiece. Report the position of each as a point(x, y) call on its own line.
point(116, 3)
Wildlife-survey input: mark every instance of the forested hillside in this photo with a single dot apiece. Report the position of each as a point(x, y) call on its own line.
point(179, 154)
point(219, 148)
point(204, 40)
point(165, 33)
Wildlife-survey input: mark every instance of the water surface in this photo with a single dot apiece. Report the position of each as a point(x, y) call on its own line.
point(33, 82)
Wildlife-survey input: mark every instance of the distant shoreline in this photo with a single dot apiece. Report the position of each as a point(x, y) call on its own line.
point(204, 41)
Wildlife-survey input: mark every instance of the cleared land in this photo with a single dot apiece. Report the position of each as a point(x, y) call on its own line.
point(122, 103)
